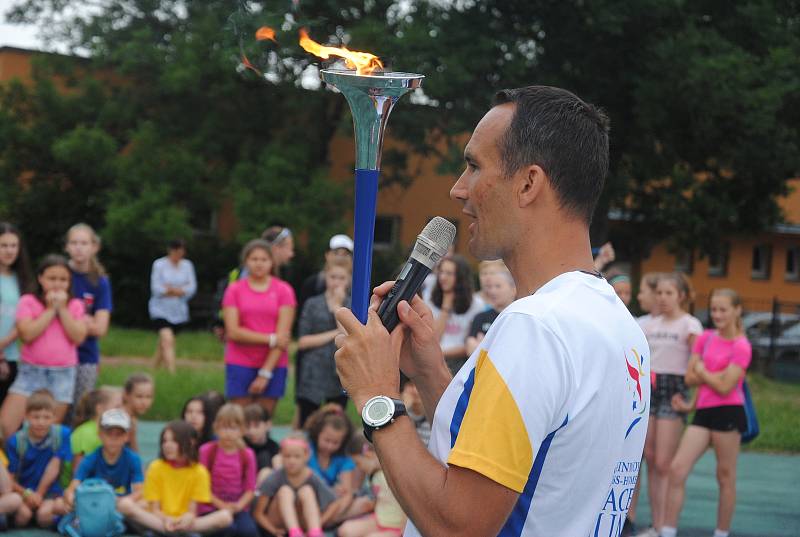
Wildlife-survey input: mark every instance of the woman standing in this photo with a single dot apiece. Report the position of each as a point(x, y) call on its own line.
point(15, 278)
point(718, 363)
point(89, 284)
point(671, 336)
point(316, 331)
point(454, 306)
point(281, 246)
point(258, 311)
point(172, 284)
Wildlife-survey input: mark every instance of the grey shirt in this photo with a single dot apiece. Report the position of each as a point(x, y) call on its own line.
point(318, 380)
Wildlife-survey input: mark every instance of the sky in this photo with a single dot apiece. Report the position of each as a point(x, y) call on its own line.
point(17, 35)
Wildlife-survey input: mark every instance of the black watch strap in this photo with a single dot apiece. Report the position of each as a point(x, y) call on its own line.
point(399, 410)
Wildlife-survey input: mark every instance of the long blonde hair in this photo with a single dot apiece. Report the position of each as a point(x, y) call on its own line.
point(96, 269)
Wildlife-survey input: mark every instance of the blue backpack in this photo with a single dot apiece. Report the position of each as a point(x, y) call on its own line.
point(95, 513)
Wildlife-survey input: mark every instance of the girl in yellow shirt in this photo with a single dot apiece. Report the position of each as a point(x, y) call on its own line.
point(173, 486)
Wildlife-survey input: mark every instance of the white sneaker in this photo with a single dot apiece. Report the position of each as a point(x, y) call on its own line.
point(649, 532)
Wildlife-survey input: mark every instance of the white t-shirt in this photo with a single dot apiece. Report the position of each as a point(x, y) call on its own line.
point(553, 405)
point(458, 324)
point(669, 342)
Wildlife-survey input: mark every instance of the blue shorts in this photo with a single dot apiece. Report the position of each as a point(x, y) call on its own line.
point(60, 381)
point(238, 379)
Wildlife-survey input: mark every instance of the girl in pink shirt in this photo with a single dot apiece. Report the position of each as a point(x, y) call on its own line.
point(232, 466)
point(51, 326)
point(258, 311)
point(719, 360)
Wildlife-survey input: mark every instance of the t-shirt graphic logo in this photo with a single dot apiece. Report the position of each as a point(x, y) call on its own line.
point(88, 301)
point(636, 372)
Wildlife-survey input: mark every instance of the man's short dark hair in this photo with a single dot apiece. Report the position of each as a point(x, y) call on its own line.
point(566, 136)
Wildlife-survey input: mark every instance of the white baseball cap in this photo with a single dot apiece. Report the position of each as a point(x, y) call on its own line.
point(115, 418)
point(341, 241)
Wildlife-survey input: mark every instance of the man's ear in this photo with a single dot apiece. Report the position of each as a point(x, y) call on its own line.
point(532, 180)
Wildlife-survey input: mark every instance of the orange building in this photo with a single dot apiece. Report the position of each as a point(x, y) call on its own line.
point(761, 267)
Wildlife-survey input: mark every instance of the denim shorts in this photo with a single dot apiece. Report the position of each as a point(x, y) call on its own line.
point(238, 379)
point(60, 381)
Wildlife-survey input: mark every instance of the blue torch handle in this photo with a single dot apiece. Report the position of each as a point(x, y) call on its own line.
point(364, 234)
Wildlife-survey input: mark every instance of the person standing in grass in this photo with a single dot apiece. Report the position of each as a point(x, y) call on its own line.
point(172, 283)
point(91, 285)
point(50, 325)
point(717, 366)
point(15, 277)
point(258, 311)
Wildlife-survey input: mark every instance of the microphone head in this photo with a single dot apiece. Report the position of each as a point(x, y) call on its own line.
point(434, 241)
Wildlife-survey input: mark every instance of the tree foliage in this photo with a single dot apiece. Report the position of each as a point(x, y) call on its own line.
point(162, 121)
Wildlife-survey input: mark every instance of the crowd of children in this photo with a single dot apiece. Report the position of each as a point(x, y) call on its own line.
point(217, 471)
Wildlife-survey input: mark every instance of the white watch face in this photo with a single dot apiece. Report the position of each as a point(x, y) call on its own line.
point(378, 411)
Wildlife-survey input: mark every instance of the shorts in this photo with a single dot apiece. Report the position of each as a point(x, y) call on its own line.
point(661, 396)
point(721, 418)
point(238, 379)
point(59, 381)
point(85, 380)
point(158, 324)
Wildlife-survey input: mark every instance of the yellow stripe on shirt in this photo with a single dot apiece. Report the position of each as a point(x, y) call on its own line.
point(493, 439)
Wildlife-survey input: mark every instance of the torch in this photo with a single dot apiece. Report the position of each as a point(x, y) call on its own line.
point(371, 94)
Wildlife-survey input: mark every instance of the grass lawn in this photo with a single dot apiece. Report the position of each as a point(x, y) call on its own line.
point(777, 403)
point(193, 345)
point(172, 391)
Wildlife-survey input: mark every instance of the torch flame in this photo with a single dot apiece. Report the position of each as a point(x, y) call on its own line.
point(363, 62)
point(265, 32)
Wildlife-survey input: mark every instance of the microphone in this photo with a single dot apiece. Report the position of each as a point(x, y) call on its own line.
point(432, 244)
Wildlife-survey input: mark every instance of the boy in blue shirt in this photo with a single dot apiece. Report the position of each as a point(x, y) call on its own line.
point(114, 462)
point(35, 457)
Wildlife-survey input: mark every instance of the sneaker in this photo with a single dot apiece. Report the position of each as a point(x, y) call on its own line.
point(649, 532)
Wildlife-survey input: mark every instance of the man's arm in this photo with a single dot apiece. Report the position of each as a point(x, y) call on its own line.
point(440, 500)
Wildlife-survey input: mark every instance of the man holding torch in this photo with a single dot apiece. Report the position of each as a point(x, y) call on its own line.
point(541, 431)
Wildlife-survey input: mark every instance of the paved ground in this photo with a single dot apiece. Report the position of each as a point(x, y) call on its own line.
point(768, 502)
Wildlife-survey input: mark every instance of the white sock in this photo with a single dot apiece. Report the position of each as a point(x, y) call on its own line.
point(721, 533)
point(667, 531)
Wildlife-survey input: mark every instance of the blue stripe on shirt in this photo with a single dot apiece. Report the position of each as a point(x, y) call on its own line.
point(516, 520)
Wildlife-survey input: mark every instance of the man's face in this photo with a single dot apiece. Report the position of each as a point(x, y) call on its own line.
point(482, 188)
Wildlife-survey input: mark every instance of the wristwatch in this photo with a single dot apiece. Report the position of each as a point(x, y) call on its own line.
point(379, 412)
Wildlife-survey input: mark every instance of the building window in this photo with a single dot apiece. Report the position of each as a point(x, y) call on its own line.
point(387, 230)
point(762, 259)
point(684, 261)
point(793, 263)
point(718, 260)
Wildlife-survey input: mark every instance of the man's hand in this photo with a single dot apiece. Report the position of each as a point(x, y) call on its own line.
point(367, 362)
point(419, 347)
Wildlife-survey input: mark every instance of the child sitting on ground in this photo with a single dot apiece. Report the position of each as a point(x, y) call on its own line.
point(174, 485)
point(85, 437)
point(387, 518)
point(195, 414)
point(136, 401)
point(294, 494)
point(10, 501)
point(232, 466)
point(35, 454)
point(259, 423)
point(113, 461)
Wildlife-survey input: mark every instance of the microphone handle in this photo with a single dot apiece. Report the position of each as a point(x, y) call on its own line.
point(406, 286)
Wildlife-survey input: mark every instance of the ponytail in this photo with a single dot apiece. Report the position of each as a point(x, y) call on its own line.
point(96, 269)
